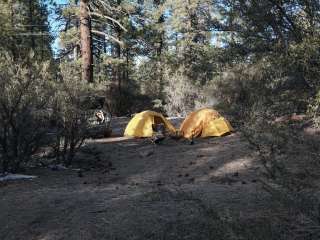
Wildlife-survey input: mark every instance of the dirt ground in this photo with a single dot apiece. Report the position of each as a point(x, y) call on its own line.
point(131, 189)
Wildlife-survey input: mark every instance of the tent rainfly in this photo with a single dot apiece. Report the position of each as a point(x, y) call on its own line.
point(205, 123)
point(141, 124)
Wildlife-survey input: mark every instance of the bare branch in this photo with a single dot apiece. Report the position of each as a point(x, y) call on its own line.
point(108, 36)
point(109, 18)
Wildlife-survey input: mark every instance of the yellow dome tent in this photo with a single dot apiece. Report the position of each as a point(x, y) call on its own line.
point(141, 124)
point(205, 123)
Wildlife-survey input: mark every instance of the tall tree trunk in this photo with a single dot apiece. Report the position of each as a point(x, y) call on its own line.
point(86, 44)
point(159, 49)
point(33, 45)
point(13, 47)
point(119, 67)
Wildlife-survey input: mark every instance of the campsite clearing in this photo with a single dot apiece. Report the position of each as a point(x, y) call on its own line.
point(176, 191)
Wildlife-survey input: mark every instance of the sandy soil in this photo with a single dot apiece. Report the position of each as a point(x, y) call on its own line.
point(131, 189)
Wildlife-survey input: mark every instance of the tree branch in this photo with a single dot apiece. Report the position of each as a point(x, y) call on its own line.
point(285, 15)
point(109, 18)
point(108, 36)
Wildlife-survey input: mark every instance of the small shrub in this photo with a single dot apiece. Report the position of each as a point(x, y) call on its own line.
point(182, 96)
point(289, 157)
point(71, 117)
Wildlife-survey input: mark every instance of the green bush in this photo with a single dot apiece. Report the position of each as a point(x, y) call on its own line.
point(70, 113)
point(26, 93)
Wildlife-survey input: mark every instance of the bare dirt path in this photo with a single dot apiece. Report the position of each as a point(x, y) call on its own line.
point(169, 191)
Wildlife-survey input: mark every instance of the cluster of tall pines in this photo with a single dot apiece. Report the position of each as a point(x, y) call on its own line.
point(175, 55)
point(181, 55)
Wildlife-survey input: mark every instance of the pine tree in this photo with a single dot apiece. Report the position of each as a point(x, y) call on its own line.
point(25, 28)
point(86, 42)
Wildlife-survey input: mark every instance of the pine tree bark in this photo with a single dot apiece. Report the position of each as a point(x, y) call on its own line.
point(86, 42)
point(33, 45)
point(159, 49)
